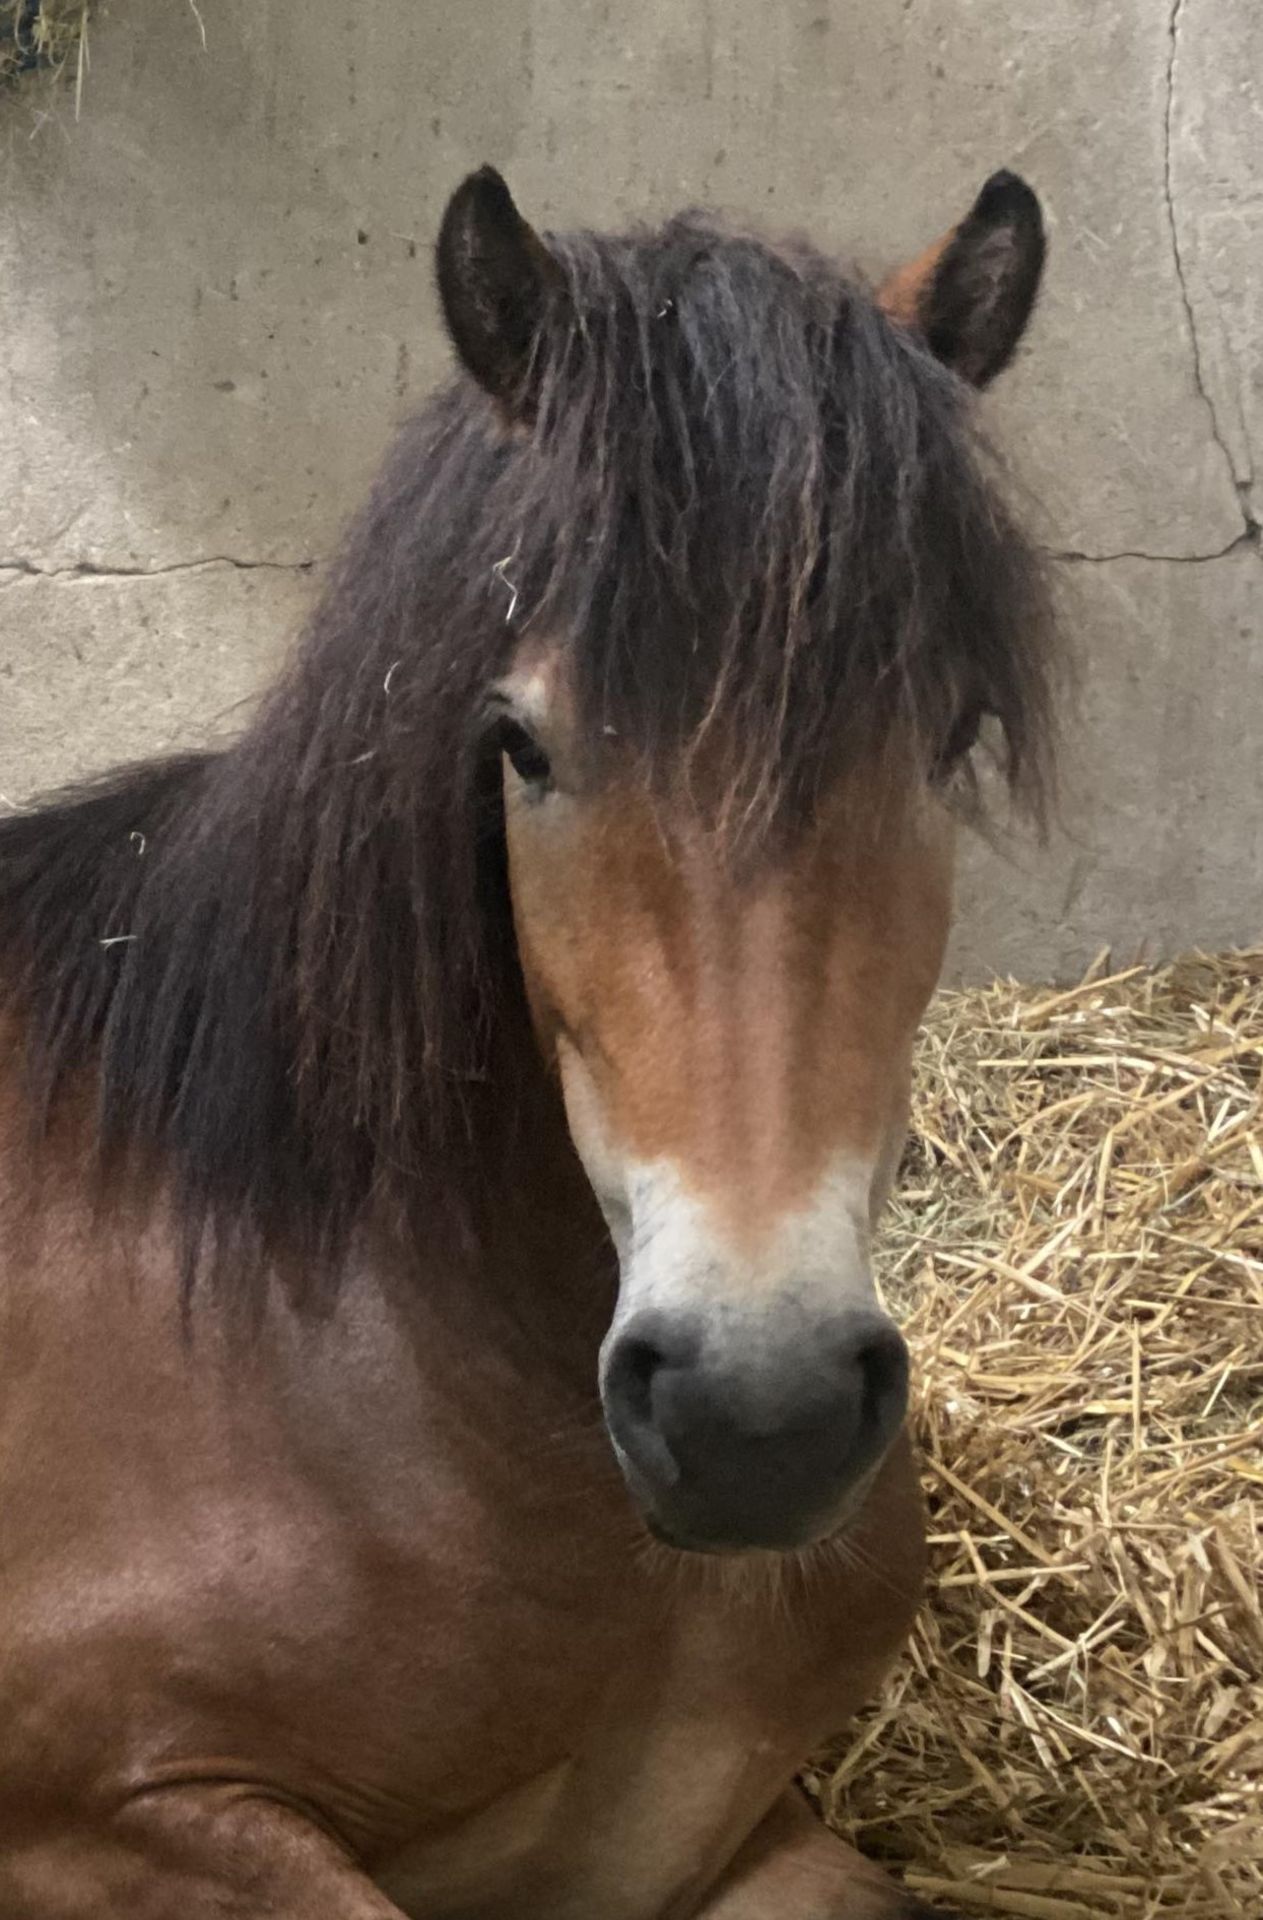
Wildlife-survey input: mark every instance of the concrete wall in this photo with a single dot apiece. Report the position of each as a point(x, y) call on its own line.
point(216, 299)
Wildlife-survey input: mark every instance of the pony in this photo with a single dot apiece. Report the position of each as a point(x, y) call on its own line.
point(454, 1458)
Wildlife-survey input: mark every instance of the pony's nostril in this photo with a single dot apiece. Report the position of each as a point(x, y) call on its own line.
point(653, 1352)
point(883, 1361)
point(880, 1357)
point(632, 1368)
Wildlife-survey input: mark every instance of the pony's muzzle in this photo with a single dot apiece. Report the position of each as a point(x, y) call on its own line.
point(752, 1438)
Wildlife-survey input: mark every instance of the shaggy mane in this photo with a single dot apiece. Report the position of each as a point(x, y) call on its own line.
point(754, 513)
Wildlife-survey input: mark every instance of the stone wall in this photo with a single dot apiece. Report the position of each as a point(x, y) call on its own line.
point(217, 299)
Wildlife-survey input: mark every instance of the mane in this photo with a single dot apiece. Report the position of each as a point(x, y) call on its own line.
point(755, 514)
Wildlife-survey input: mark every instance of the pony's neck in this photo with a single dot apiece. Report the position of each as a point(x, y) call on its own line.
point(545, 1271)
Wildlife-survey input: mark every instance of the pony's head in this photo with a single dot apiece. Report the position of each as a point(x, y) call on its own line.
point(759, 596)
point(633, 714)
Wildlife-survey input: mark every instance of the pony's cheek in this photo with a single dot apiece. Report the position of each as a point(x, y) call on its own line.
point(549, 897)
point(604, 1160)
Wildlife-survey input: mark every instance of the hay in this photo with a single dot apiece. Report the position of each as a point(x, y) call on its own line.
point(43, 33)
point(1077, 1253)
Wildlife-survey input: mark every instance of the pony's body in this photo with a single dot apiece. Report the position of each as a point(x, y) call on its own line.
point(381, 1134)
point(262, 1578)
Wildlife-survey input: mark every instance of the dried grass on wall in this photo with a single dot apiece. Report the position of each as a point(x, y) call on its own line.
point(42, 33)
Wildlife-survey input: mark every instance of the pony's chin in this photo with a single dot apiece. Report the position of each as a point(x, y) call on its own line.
point(694, 1540)
point(695, 1527)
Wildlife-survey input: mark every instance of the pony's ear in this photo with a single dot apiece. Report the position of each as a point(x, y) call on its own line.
point(496, 281)
point(970, 295)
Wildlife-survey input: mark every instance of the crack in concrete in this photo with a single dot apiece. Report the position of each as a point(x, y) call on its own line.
point(23, 569)
point(1249, 537)
point(12, 571)
point(1241, 484)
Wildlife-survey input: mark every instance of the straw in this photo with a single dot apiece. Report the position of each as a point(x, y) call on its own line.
point(1076, 1253)
point(52, 33)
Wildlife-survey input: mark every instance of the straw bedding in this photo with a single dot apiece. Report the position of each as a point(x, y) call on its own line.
point(1077, 1253)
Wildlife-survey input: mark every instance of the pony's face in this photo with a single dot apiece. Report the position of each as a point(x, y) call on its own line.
point(732, 1035)
point(734, 1049)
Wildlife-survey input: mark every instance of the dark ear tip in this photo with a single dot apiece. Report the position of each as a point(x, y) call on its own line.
point(1006, 197)
point(485, 186)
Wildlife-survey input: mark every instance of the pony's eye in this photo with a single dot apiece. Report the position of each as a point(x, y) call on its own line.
point(525, 755)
